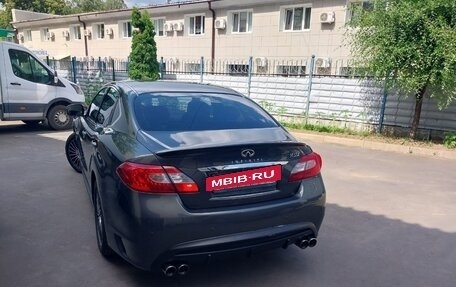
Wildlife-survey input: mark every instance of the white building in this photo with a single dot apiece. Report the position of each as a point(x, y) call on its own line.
point(268, 30)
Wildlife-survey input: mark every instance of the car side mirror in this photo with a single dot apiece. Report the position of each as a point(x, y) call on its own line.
point(75, 110)
point(56, 78)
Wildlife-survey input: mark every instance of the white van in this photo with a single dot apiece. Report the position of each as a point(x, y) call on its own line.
point(31, 91)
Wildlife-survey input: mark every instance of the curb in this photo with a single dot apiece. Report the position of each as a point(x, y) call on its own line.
point(375, 145)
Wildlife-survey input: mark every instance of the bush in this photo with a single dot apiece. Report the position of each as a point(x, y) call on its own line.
point(450, 140)
point(143, 57)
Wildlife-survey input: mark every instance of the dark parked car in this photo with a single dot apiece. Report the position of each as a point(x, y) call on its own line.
point(179, 173)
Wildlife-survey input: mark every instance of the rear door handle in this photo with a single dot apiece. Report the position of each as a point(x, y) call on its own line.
point(16, 84)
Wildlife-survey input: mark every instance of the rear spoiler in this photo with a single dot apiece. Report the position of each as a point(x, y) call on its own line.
point(201, 148)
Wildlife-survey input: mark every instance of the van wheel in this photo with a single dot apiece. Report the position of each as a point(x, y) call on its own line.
point(58, 118)
point(32, 123)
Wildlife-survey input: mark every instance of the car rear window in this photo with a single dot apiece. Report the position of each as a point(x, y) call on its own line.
point(192, 112)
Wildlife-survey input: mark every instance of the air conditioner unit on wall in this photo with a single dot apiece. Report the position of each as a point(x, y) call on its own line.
point(109, 32)
point(220, 24)
point(323, 62)
point(179, 26)
point(327, 17)
point(261, 62)
point(168, 27)
point(66, 34)
point(87, 33)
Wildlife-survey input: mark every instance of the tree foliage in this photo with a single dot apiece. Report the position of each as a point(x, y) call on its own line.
point(80, 6)
point(410, 43)
point(143, 56)
point(59, 7)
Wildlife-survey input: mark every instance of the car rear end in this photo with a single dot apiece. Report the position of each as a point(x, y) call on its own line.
point(206, 192)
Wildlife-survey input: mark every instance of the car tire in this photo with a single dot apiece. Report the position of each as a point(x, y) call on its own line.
point(59, 119)
point(102, 241)
point(73, 153)
point(32, 123)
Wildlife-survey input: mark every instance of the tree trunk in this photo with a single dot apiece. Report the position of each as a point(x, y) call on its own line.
point(417, 115)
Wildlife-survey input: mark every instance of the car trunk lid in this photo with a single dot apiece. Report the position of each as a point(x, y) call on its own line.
point(211, 156)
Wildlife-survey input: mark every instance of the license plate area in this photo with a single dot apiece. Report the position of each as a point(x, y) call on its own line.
point(244, 180)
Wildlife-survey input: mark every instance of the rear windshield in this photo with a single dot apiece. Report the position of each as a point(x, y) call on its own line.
point(193, 112)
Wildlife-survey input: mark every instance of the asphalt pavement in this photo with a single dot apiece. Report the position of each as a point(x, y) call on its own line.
point(390, 221)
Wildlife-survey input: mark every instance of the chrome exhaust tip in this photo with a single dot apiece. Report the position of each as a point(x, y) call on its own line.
point(303, 244)
point(169, 270)
point(183, 269)
point(312, 242)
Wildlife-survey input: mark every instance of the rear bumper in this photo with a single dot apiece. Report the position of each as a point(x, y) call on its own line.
point(243, 244)
point(150, 230)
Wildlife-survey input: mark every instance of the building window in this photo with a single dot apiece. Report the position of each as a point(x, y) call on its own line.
point(193, 67)
point(28, 35)
point(356, 7)
point(196, 25)
point(291, 71)
point(159, 27)
point(241, 22)
point(238, 69)
point(99, 31)
point(75, 32)
point(296, 18)
point(126, 30)
point(44, 34)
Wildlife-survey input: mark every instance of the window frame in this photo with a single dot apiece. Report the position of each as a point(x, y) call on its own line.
point(301, 70)
point(348, 11)
point(96, 29)
point(30, 57)
point(203, 24)
point(283, 19)
point(238, 69)
point(43, 32)
point(189, 67)
point(155, 27)
point(93, 122)
point(28, 32)
point(121, 30)
point(73, 34)
point(249, 27)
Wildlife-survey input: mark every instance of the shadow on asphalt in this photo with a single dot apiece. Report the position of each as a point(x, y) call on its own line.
point(355, 249)
point(47, 238)
point(18, 127)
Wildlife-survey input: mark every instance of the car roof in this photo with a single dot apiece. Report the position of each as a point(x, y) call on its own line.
point(172, 86)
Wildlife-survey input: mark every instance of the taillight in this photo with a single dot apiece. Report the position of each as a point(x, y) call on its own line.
point(308, 166)
point(155, 178)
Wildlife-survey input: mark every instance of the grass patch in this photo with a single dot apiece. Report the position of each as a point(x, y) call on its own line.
point(325, 129)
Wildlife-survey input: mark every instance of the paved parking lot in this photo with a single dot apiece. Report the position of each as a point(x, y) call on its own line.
point(390, 222)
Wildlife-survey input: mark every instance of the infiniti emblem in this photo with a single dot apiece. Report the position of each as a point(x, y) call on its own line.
point(247, 153)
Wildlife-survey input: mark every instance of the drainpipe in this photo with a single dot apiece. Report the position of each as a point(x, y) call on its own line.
point(85, 37)
point(213, 36)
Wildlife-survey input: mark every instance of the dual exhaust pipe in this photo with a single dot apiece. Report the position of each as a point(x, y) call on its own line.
point(306, 242)
point(170, 270)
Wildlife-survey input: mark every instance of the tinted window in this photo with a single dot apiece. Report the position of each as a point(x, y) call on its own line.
point(95, 106)
point(108, 106)
point(175, 112)
point(28, 68)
